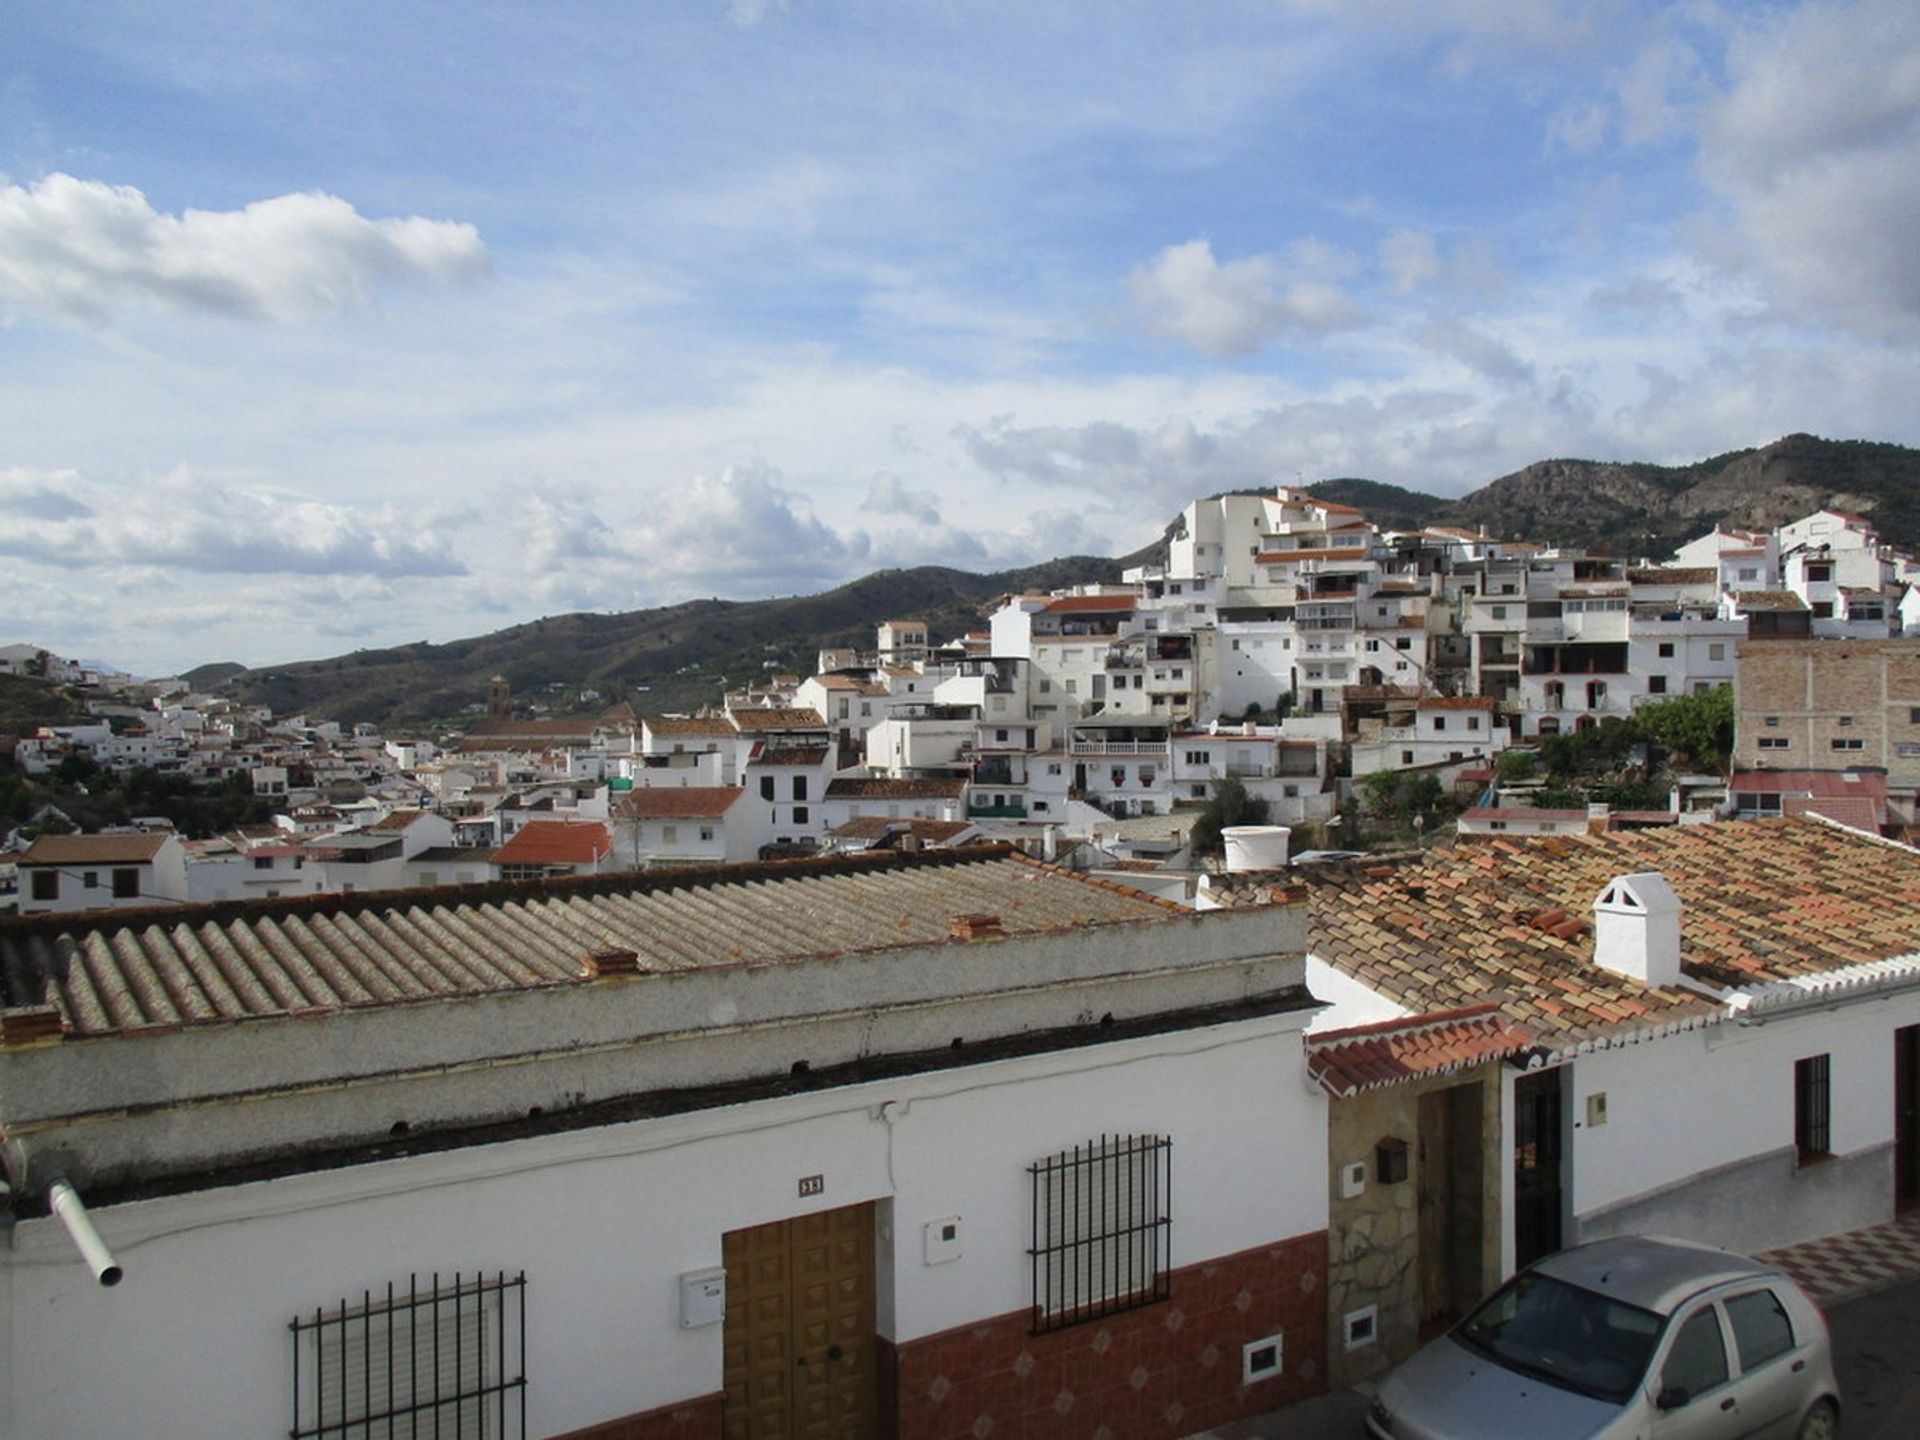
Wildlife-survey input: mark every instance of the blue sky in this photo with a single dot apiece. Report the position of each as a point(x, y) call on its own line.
point(344, 325)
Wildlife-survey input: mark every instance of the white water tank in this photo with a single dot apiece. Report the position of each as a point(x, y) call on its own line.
point(1256, 847)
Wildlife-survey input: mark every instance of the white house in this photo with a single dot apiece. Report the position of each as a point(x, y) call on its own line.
point(66, 873)
point(963, 1137)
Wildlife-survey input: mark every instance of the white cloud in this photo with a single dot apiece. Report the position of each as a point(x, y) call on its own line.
point(742, 532)
point(1238, 307)
point(1410, 259)
point(191, 523)
point(1815, 145)
point(84, 250)
point(887, 494)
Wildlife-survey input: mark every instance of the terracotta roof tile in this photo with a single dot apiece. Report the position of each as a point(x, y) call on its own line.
point(1367, 1057)
point(1507, 920)
point(556, 842)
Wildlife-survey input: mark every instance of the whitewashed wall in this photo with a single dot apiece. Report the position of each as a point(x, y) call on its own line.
point(195, 1341)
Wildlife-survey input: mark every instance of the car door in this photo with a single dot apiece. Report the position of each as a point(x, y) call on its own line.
point(1768, 1355)
point(1694, 1383)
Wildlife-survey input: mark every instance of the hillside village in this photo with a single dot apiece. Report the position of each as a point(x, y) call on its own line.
point(909, 982)
point(1287, 646)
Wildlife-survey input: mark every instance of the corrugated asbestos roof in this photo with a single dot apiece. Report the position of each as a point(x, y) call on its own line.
point(206, 964)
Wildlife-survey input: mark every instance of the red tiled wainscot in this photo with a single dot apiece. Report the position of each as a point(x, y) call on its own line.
point(1156, 1373)
point(697, 1419)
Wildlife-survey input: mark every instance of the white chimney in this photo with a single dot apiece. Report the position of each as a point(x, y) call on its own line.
point(1636, 929)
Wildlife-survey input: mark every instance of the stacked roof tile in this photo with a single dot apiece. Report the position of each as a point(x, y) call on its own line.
point(1504, 920)
point(1366, 1057)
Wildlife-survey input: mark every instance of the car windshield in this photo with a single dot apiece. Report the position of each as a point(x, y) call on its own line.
point(1569, 1337)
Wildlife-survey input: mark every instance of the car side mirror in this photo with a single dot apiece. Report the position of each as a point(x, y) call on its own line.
point(1672, 1398)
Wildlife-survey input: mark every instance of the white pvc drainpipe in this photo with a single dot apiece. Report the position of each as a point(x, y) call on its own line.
point(64, 1201)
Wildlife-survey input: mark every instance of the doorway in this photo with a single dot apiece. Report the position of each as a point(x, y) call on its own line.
point(1537, 1113)
point(799, 1351)
point(1906, 1118)
point(1449, 1199)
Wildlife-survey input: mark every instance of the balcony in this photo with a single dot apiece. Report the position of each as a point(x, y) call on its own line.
point(999, 808)
point(993, 772)
point(1119, 749)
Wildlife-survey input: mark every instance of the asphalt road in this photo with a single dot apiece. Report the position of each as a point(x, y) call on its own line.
point(1876, 1350)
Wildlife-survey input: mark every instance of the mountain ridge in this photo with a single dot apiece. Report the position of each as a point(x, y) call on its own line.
point(677, 657)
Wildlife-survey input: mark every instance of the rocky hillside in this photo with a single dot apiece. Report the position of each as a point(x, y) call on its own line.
point(1639, 509)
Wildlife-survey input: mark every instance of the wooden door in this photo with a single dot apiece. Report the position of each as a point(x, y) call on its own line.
point(1906, 1117)
point(799, 1328)
point(1536, 1166)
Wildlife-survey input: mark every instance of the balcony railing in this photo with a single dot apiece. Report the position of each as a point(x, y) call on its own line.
point(1143, 749)
point(996, 810)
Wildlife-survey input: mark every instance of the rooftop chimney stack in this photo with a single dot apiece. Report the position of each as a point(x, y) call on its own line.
point(1636, 929)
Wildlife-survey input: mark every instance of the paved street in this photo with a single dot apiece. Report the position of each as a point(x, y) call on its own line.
point(1877, 1352)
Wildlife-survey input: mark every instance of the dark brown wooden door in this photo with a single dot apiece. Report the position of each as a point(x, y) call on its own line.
point(799, 1328)
point(1448, 1200)
point(1536, 1166)
point(1906, 1117)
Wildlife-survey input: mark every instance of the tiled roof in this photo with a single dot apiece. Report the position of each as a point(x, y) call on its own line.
point(1835, 784)
point(779, 718)
point(1520, 812)
point(876, 788)
point(1088, 604)
point(539, 732)
point(555, 842)
point(792, 755)
point(1703, 575)
point(1366, 1057)
point(687, 724)
point(1860, 812)
point(93, 850)
point(1769, 600)
point(396, 820)
point(678, 802)
point(1507, 920)
point(110, 973)
point(1456, 702)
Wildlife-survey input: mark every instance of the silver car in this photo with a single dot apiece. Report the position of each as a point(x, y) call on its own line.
point(1626, 1337)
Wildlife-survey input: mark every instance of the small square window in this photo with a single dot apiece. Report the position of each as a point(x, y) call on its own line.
point(1846, 722)
point(1666, 649)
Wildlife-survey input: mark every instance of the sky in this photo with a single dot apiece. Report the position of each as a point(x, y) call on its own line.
point(329, 327)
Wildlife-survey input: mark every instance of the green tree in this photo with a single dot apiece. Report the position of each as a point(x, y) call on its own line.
point(1231, 805)
point(1514, 765)
point(1697, 726)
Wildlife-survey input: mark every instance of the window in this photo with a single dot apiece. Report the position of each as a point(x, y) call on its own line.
point(1846, 743)
point(46, 884)
point(706, 832)
point(126, 884)
point(1403, 644)
point(1439, 722)
point(1073, 687)
point(1406, 757)
point(1199, 791)
point(1499, 612)
point(1772, 722)
point(1812, 1107)
point(1717, 651)
point(1656, 684)
point(766, 787)
point(449, 1359)
point(1046, 687)
point(800, 815)
point(799, 787)
point(1774, 742)
point(90, 880)
point(1761, 1329)
point(1846, 722)
point(669, 834)
point(1666, 649)
point(1823, 609)
point(1698, 1361)
point(1100, 1229)
point(1199, 757)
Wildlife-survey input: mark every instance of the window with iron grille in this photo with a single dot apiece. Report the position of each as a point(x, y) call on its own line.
point(1101, 1229)
point(433, 1360)
point(1812, 1107)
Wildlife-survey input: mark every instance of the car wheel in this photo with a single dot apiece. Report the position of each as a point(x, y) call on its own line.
point(1822, 1422)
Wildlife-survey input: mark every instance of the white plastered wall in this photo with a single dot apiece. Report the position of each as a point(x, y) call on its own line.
point(604, 1221)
